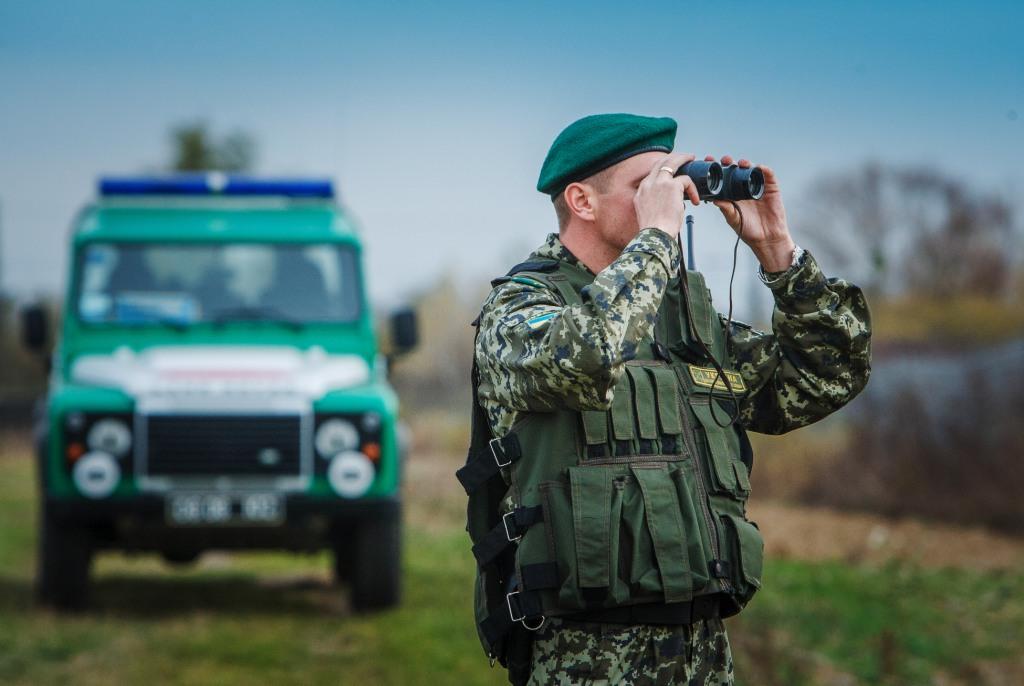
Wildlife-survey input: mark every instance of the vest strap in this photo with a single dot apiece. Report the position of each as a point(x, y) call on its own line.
point(540, 576)
point(484, 464)
point(686, 612)
point(565, 289)
point(496, 626)
point(522, 603)
point(511, 528)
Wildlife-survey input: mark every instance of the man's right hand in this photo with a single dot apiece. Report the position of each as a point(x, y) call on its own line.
point(659, 201)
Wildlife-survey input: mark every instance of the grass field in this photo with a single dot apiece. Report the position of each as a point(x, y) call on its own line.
point(271, 618)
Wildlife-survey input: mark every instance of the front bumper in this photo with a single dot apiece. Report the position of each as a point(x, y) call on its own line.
point(137, 523)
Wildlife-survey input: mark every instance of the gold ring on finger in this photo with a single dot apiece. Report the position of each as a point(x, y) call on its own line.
point(670, 170)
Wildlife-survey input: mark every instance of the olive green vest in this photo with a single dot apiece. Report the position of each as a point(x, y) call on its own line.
point(640, 504)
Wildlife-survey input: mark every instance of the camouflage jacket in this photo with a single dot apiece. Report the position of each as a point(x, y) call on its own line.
point(534, 354)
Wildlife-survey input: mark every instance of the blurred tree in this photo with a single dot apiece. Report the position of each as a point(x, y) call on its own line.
point(962, 239)
point(196, 149)
point(911, 229)
point(846, 215)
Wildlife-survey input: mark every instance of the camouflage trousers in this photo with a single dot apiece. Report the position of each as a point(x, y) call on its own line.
point(574, 653)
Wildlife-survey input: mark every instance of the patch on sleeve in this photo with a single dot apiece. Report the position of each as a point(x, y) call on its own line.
point(540, 320)
point(527, 281)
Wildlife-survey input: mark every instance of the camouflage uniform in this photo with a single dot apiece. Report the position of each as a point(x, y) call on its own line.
point(587, 653)
point(536, 354)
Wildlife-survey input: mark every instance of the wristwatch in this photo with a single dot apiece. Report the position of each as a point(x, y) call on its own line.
point(768, 278)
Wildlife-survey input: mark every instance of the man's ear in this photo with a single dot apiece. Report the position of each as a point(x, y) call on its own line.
point(579, 198)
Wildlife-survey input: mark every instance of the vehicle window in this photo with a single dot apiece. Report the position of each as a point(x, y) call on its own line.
point(186, 284)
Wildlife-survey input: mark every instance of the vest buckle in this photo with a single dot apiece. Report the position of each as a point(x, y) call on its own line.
point(522, 617)
point(508, 531)
point(495, 444)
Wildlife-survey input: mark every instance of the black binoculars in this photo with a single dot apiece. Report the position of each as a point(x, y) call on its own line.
point(715, 182)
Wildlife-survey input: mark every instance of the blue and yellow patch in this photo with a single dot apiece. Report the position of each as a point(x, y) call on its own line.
point(536, 322)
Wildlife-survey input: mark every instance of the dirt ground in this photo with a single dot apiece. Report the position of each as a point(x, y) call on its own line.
point(813, 533)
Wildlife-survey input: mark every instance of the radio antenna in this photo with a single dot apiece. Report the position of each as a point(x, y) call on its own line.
point(689, 244)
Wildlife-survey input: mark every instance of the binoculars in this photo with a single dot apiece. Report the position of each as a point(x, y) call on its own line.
point(715, 182)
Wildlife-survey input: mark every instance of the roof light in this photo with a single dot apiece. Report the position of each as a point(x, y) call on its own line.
point(215, 183)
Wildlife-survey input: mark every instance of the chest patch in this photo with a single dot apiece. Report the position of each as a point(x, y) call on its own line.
point(708, 378)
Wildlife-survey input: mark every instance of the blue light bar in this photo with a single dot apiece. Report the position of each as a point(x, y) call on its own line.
point(215, 184)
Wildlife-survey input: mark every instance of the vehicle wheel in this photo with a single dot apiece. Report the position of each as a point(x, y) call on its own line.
point(343, 559)
point(376, 573)
point(64, 557)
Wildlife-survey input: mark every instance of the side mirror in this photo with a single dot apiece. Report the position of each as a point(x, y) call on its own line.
point(34, 329)
point(404, 331)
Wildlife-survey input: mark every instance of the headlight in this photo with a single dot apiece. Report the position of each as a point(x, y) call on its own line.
point(110, 436)
point(350, 474)
point(96, 474)
point(336, 436)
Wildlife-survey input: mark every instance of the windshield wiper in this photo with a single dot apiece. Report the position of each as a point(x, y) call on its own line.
point(257, 313)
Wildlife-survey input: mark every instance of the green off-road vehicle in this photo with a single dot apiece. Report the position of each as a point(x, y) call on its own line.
point(216, 384)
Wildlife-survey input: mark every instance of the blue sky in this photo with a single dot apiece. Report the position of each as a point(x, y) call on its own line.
point(434, 117)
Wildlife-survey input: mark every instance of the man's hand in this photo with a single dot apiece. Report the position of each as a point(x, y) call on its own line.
point(764, 221)
point(659, 199)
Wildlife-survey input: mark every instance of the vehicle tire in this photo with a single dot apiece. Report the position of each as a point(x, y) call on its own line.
point(343, 558)
point(64, 557)
point(376, 573)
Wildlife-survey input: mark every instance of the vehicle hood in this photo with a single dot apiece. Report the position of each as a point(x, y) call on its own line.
point(219, 373)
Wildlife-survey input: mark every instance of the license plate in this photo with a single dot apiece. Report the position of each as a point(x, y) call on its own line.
point(185, 509)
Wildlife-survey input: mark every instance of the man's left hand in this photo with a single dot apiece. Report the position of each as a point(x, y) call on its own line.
point(764, 221)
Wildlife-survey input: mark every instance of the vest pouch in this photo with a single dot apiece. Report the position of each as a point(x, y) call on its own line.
point(697, 535)
point(645, 408)
point(723, 446)
point(666, 393)
point(621, 418)
point(620, 534)
point(581, 520)
point(637, 565)
point(595, 433)
point(747, 547)
point(664, 518)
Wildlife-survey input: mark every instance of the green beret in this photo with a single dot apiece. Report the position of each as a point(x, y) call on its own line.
point(597, 142)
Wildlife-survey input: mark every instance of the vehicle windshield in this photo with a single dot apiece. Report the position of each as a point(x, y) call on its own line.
point(185, 284)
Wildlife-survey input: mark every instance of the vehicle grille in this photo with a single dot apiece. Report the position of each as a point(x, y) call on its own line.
point(201, 445)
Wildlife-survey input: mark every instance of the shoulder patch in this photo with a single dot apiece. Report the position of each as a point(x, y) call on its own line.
point(536, 322)
point(524, 280)
point(527, 281)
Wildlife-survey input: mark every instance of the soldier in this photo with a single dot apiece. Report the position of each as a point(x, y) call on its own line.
point(609, 466)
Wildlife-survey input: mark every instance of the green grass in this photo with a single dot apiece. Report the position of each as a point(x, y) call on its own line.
point(262, 618)
point(893, 624)
point(272, 618)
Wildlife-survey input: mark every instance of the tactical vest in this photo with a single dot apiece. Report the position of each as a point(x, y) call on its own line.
point(588, 514)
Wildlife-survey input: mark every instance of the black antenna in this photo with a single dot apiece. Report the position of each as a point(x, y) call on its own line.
point(689, 243)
